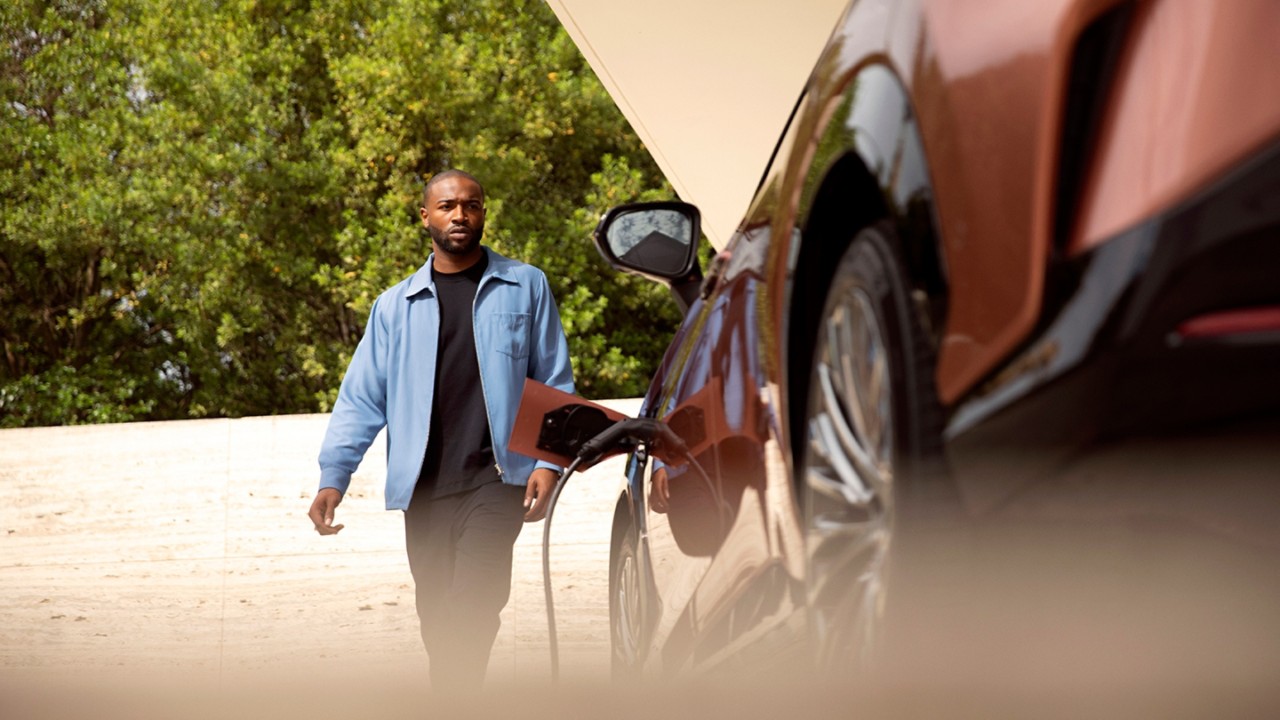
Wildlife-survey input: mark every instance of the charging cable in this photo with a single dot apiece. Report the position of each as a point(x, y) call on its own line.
point(625, 435)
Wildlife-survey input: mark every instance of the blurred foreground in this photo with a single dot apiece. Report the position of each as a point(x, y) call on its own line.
point(168, 570)
point(143, 557)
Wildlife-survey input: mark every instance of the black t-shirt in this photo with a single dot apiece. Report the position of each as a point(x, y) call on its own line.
point(459, 449)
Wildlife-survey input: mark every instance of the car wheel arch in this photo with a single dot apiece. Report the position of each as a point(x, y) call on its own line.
point(827, 233)
point(860, 175)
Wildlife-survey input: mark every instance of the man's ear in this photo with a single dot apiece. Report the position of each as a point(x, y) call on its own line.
point(422, 213)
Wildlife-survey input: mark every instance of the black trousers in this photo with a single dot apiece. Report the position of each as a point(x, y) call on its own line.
point(460, 549)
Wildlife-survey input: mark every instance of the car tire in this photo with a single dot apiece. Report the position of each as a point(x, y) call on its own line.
point(626, 620)
point(872, 442)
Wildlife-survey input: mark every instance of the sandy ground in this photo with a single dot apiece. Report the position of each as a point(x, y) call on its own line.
point(179, 555)
point(168, 570)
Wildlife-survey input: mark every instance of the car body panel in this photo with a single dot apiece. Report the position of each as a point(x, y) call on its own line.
point(1192, 98)
point(722, 544)
point(951, 124)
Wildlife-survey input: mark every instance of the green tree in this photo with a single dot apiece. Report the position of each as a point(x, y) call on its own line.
point(201, 200)
point(78, 342)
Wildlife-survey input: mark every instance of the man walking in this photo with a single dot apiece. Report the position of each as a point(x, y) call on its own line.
point(442, 364)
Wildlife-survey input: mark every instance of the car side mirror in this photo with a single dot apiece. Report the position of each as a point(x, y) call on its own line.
point(657, 240)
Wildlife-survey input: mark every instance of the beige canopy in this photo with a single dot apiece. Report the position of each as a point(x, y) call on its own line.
point(707, 85)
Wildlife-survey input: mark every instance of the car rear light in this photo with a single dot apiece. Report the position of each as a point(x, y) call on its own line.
point(1247, 324)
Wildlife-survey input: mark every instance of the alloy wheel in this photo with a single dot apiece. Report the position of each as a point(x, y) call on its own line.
point(849, 474)
point(624, 607)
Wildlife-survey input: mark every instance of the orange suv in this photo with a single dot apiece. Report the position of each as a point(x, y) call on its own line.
point(989, 239)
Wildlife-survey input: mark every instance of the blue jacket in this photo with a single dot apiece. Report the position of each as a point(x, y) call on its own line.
point(390, 381)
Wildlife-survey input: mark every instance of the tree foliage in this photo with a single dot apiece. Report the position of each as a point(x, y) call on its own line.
point(200, 201)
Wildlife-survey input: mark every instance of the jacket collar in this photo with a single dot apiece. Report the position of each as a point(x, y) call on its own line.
point(501, 268)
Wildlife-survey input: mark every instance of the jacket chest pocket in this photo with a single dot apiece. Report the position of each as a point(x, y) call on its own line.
point(510, 333)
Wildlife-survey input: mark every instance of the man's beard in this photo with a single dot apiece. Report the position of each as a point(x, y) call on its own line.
point(453, 247)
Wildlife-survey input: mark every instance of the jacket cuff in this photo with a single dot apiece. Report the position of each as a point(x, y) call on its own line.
point(336, 478)
point(541, 464)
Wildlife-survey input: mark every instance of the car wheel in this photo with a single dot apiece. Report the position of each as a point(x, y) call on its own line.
point(872, 426)
point(625, 613)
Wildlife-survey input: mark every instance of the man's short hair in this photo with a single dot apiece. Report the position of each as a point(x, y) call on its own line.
point(445, 175)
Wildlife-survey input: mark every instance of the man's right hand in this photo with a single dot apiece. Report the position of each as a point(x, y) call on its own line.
point(322, 508)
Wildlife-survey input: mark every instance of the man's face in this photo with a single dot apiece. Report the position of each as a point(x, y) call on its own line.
point(454, 215)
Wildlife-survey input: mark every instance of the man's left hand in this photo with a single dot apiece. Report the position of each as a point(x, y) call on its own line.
point(537, 494)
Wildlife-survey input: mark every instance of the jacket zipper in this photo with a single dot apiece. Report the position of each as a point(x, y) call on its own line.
point(479, 360)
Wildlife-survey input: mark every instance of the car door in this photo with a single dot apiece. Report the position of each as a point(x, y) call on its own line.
point(724, 551)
